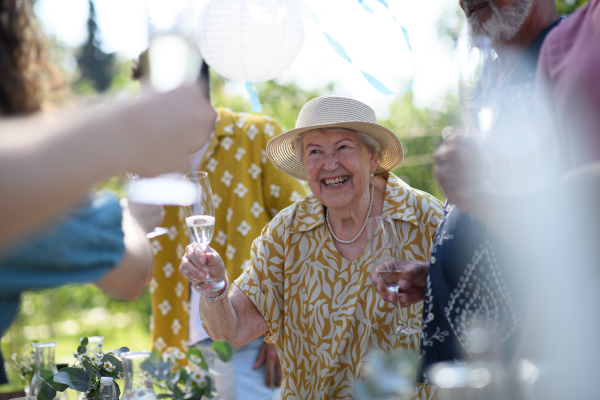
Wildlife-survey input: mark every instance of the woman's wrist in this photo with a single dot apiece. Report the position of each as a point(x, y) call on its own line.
point(219, 296)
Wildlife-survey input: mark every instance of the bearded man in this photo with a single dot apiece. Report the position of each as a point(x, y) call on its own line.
point(476, 276)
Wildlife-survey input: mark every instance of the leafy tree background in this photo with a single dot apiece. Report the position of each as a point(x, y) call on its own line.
point(67, 313)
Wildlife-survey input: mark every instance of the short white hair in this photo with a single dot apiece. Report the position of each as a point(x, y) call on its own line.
point(372, 144)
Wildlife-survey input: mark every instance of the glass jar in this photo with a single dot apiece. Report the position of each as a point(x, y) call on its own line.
point(138, 385)
point(45, 365)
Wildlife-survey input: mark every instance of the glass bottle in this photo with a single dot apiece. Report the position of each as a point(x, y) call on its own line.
point(138, 385)
point(44, 365)
point(108, 391)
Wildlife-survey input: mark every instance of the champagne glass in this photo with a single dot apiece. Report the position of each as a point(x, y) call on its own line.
point(385, 249)
point(174, 54)
point(174, 60)
point(478, 91)
point(200, 220)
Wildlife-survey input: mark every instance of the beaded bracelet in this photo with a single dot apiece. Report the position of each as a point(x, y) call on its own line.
point(219, 297)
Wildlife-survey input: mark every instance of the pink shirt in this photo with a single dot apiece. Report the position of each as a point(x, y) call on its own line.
point(569, 71)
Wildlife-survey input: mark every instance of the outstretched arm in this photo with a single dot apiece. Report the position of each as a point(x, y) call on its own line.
point(47, 162)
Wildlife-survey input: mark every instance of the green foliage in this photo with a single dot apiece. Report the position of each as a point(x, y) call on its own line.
point(566, 7)
point(183, 383)
point(223, 349)
point(85, 374)
point(96, 66)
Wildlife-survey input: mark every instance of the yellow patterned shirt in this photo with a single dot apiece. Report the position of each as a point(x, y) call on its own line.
point(322, 311)
point(247, 192)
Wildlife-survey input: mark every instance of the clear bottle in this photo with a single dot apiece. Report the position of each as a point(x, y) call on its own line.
point(44, 364)
point(108, 391)
point(138, 385)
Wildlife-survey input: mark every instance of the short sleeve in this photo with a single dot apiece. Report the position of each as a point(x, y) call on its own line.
point(263, 278)
point(80, 248)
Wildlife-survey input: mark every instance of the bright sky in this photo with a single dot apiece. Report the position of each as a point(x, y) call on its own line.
point(373, 41)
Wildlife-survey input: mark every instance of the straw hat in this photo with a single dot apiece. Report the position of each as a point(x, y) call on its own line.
point(339, 112)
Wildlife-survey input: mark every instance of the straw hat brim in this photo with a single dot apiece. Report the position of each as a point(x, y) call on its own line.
point(280, 149)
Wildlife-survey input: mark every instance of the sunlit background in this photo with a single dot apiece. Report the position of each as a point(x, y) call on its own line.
point(115, 33)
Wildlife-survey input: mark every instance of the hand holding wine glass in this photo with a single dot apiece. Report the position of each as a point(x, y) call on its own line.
point(200, 220)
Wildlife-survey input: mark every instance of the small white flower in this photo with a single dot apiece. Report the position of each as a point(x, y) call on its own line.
point(195, 359)
point(121, 375)
point(93, 358)
point(202, 383)
point(108, 366)
point(196, 376)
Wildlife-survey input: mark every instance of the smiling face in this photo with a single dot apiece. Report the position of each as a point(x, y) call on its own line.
point(338, 168)
point(498, 19)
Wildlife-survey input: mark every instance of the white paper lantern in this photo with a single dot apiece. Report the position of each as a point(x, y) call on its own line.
point(250, 40)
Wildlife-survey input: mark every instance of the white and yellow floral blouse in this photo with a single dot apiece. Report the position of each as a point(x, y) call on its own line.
point(322, 311)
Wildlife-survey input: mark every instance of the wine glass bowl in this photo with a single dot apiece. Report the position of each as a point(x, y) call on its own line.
point(200, 221)
point(477, 86)
point(385, 254)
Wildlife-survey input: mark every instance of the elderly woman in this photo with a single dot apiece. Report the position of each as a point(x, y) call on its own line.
point(306, 284)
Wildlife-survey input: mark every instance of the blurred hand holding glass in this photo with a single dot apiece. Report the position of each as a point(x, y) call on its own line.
point(175, 60)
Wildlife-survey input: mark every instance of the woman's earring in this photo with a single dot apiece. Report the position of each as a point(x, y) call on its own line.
point(372, 175)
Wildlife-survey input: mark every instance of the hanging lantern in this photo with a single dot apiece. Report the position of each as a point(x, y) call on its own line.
point(250, 40)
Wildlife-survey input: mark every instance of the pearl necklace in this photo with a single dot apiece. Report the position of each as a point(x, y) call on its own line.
point(364, 225)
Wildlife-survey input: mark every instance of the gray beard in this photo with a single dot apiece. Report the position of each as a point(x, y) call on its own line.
point(504, 23)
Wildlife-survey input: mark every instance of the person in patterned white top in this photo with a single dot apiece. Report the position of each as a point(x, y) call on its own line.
point(306, 285)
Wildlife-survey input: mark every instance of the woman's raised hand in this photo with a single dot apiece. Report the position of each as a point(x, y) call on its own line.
point(197, 265)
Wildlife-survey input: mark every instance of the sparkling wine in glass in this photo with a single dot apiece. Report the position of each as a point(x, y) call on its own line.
point(200, 220)
point(385, 251)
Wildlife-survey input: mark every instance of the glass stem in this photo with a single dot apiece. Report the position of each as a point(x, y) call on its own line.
point(400, 325)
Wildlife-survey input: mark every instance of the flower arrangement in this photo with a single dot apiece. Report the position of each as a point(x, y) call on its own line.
point(25, 366)
point(192, 382)
point(85, 373)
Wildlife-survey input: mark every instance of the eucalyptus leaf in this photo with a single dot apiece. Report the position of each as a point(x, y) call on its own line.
point(183, 376)
point(75, 378)
point(89, 368)
point(46, 393)
point(155, 356)
point(148, 366)
point(223, 349)
point(196, 356)
point(115, 362)
point(118, 390)
point(174, 377)
point(162, 371)
point(84, 341)
point(177, 393)
point(164, 396)
point(55, 385)
point(46, 373)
